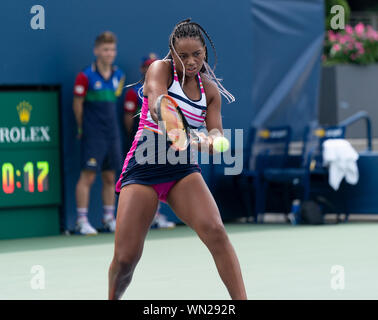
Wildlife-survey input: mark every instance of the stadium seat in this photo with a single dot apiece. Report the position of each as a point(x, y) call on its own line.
point(265, 148)
point(298, 177)
point(296, 181)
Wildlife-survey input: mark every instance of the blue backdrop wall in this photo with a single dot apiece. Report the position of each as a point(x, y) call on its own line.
point(288, 38)
point(56, 54)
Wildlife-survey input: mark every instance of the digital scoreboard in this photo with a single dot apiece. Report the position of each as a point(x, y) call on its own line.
point(30, 164)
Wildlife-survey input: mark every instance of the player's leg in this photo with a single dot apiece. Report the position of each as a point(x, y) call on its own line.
point(108, 199)
point(83, 188)
point(136, 208)
point(193, 203)
point(109, 166)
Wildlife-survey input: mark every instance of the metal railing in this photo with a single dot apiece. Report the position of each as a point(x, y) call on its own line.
point(366, 17)
point(361, 115)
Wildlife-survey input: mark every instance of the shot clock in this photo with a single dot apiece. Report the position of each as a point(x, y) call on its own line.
point(29, 147)
point(9, 183)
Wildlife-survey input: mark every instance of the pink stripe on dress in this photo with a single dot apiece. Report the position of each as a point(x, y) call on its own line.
point(186, 111)
point(151, 124)
point(199, 120)
point(135, 142)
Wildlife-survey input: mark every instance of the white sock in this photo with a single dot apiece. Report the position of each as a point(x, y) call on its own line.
point(109, 212)
point(82, 214)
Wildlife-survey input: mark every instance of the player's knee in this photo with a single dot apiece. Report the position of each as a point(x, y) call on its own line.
point(126, 262)
point(214, 235)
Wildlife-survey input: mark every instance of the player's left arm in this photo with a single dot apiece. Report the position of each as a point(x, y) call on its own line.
point(213, 117)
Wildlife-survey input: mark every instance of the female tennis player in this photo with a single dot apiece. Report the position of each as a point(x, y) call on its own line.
point(186, 76)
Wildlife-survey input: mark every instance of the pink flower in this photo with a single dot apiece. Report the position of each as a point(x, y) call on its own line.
point(344, 39)
point(348, 37)
point(369, 30)
point(360, 29)
point(371, 34)
point(349, 29)
point(336, 47)
point(332, 36)
point(359, 54)
point(353, 56)
point(350, 46)
point(359, 46)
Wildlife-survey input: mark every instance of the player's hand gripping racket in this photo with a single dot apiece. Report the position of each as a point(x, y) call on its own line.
point(173, 123)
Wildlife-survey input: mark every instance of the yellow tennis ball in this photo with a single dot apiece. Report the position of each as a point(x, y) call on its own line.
point(221, 144)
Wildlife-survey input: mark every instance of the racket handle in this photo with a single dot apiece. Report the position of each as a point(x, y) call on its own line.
point(194, 137)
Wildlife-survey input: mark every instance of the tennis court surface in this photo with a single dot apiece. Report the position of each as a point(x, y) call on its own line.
point(279, 261)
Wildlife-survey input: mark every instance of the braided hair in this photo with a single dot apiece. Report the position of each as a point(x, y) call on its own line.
point(190, 29)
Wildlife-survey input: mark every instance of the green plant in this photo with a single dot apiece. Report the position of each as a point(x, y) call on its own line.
point(357, 45)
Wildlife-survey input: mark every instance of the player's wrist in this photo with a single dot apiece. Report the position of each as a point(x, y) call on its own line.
point(210, 144)
point(210, 140)
point(204, 142)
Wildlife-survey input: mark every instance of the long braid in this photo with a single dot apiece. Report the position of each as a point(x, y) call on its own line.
point(189, 29)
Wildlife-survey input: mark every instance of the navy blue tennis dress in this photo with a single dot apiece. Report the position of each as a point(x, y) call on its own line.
point(150, 160)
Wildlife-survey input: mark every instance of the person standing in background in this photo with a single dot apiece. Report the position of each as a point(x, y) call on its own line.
point(133, 103)
point(132, 106)
point(96, 91)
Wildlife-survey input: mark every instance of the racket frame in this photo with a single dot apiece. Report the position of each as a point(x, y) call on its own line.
point(190, 135)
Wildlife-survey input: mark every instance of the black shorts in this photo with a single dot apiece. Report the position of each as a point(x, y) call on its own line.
point(100, 154)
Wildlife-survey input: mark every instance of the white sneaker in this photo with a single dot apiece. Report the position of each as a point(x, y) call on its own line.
point(85, 228)
point(292, 218)
point(110, 223)
point(161, 221)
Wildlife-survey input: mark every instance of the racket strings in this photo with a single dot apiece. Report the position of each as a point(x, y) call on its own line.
point(174, 126)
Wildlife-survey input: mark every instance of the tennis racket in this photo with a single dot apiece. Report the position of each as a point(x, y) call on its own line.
point(173, 123)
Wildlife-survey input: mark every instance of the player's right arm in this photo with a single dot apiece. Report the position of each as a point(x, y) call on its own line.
point(157, 81)
point(80, 91)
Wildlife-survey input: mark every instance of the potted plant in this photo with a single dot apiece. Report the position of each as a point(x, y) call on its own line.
point(358, 45)
point(349, 76)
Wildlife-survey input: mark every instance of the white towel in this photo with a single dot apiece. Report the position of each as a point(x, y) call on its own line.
point(341, 159)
